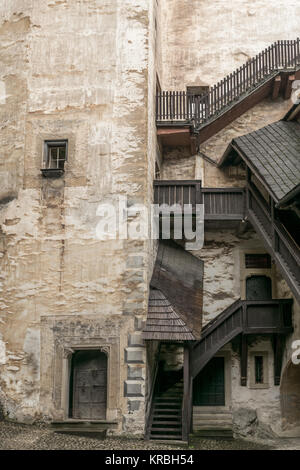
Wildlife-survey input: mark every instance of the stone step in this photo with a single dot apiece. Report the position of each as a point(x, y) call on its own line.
point(83, 426)
point(208, 419)
point(212, 413)
point(212, 425)
point(212, 434)
point(171, 441)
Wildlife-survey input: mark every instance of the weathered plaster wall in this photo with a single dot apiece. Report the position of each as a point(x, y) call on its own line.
point(255, 410)
point(82, 71)
point(204, 40)
point(179, 164)
point(222, 254)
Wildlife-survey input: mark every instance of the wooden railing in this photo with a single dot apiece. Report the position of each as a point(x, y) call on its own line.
point(177, 192)
point(280, 244)
point(182, 106)
point(243, 316)
point(149, 401)
point(219, 203)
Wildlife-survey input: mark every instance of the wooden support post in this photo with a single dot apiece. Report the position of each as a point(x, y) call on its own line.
point(276, 87)
point(273, 233)
point(186, 393)
point(278, 345)
point(193, 145)
point(288, 88)
point(244, 360)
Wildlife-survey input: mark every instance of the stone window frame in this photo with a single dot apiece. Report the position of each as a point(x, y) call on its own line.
point(266, 382)
point(245, 273)
point(56, 143)
point(67, 370)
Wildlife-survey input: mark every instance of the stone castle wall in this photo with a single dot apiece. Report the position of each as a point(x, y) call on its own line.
point(82, 71)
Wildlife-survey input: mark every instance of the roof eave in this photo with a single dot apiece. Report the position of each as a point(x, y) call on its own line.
point(286, 200)
point(223, 160)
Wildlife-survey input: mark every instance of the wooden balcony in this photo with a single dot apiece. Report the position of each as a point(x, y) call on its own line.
point(180, 192)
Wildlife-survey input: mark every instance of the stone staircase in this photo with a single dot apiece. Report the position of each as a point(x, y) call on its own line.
point(212, 424)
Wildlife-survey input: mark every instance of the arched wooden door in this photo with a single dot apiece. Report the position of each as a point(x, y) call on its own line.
point(89, 385)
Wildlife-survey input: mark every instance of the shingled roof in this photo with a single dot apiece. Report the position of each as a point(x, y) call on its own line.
point(273, 154)
point(163, 323)
point(176, 295)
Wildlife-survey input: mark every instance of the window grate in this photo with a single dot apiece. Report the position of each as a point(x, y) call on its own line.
point(258, 261)
point(259, 369)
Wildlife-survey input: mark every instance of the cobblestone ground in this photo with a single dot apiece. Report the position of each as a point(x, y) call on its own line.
point(24, 437)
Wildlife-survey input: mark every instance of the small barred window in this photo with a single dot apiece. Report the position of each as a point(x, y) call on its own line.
point(258, 261)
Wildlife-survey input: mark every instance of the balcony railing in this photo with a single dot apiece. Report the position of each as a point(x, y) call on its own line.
point(182, 106)
point(281, 245)
point(177, 192)
point(219, 203)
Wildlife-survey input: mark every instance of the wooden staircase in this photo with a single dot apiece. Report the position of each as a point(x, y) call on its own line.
point(279, 243)
point(165, 421)
point(243, 316)
point(269, 73)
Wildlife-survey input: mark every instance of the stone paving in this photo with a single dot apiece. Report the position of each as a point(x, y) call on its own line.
point(32, 437)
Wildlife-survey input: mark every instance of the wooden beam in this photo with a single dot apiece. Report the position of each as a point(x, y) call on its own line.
point(276, 87)
point(234, 111)
point(288, 88)
point(278, 345)
point(186, 393)
point(193, 145)
point(244, 360)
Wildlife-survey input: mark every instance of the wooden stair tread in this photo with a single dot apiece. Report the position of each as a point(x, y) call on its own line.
point(172, 423)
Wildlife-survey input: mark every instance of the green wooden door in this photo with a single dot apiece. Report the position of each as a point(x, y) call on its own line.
point(209, 385)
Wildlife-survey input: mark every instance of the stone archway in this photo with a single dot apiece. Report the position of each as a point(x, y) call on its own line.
point(290, 397)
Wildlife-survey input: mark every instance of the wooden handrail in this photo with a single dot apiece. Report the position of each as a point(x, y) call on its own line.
point(197, 110)
point(149, 403)
point(235, 320)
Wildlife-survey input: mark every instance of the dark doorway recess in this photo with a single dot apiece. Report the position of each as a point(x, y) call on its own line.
point(209, 385)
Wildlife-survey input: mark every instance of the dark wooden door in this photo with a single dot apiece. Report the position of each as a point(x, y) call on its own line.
point(89, 385)
point(209, 385)
point(258, 288)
